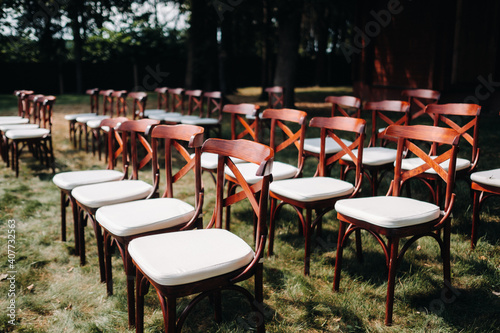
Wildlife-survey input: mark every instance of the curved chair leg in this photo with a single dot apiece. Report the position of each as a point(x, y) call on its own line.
point(64, 203)
point(393, 245)
point(476, 206)
point(338, 258)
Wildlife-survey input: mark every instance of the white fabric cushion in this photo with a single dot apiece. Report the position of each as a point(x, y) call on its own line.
point(415, 162)
point(76, 115)
point(182, 257)
point(199, 121)
point(137, 217)
point(13, 120)
point(313, 145)
point(209, 160)
point(374, 156)
point(309, 189)
point(10, 117)
point(103, 194)
point(70, 180)
point(147, 113)
point(5, 128)
point(388, 211)
point(280, 171)
point(85, 119)
point(27, 133)
point(167, 116)
point(488, 177)
point(94, 123)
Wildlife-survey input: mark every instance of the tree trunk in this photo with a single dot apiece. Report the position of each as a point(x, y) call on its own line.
point(75, 13)
point(266, 73)
point(322, 14)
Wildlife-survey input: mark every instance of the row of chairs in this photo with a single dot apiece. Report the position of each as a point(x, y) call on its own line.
point(31, 128)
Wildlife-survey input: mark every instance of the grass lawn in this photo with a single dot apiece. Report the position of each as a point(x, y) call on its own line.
point(53, 293)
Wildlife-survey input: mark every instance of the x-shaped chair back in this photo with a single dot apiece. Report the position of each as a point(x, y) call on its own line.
point(240, 127)
point(195, 102)
point(380, 113)
point(279, 119)
point(121, 102)
point(419, 99)
point(139, 100)
point(177, 95)
point(22, 105)
point(162, 98)
point(276, 97)
point(114, 140)
point(44, 106)
point(214, 104)
point(347, 106)
point(32, 107)
point(94, 100)
point(107, 101)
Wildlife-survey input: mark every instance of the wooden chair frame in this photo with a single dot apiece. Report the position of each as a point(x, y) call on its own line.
point(276, 97)
point(139, 100)
point(177, 96)
point(419, 99)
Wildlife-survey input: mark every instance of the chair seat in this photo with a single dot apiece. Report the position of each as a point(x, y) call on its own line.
point(137, 217)
point(280, 171)
point(167, 116)
point(415, 162)
point(76, 115)
point(103, 194)
point(150, 112)
point(209, 160)
point(488, 177)
point(188, 256)
point(27, 133)
point(4, 128)
point(374, 156)
point(85, 119)
point(13, 120)
point(389, 211)
point(10, 117)
point(310, 189)
point(199, 121)
point(313, 145)
point(95, 123)
point(70, 180)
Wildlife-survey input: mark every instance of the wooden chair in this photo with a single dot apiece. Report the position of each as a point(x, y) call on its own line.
point(176, 111)
point(123, 222)
point(346, 106)
point(396, 218)
point(319, 193)
point(39, 140)
point(462, 118)
point(94, 111)
point(91, 197)
point(139, 101)
point(67, 181)
point(161, 102)
point(275, 97)
point(419, 99)
point(211, 120)
point(207, 261)
point(378, 159)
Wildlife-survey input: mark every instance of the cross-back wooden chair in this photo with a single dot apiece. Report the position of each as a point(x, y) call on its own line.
point(194, 102)
point(67, 181)
point(139, 101)
point(21, 102)
point(419, 99)
point(377, 158)
point(125, 221)
point(177, 96)
point(275, 97)
point(161, 102)
point(207, 261)
point(91, 197)
point(176, 112)
point(94, 111)
point(211, 120)
point(39, 140)
point(319, 193)
point(392, 219)
point(346, 106)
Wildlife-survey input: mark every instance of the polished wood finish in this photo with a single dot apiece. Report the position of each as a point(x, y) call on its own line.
point(139, 100)
point(213, 102)
point(481, 192)
point(257, 194)
point(195, 102)
point(405, 135)
point(162, 98)
point(419, 99)
point(275, 97)
point(177, 96)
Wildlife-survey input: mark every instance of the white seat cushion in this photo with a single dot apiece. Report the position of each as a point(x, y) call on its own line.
point(70, 180)
point(94, 123)
point(103, 194)
point(137, 217)
point(209, 160)
point(182, 257)
point(313, 145)
point(415, 162)
point(10, 117)
point(199, 121)
point(76, 115)
point(13, 120)
point(309, 189)
point(5, 128)
point(488, 177)
point(167, 116)
point(147, 113)
point(85, 119)
point(27, 133)
point(374, 156)
point(280, 171)
point(388, 211)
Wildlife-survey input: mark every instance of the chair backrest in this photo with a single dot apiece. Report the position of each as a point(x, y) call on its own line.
point(139, 100)
point(44, 107)
point(276, 97)
point(347, 106)
point(174, 138)
point(279, 120)
point(405, 136)
point(177, 95)
point(137, 131)
point(252, 152)
point(94, 100)
point(330, 127)
point(419, 99)
point(214, 104)
point(22, 103)
point(107, 101)
point(387, 112)
point(467, 124)
point(162, 98)
point(240, 126)
point(114, 139)
point(195, 102)
point(33, 108)
point(121, 103)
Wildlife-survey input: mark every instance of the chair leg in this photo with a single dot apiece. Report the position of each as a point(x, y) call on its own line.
point(130, 270)
point(168, 306)
point(359, 249)
point(307, 246)
point(100, 248)
point(259, 298)
point(216, 297)
point(81, 236)
point(139, 305)
point(476, 206)
point(446, 253)
point(393, 245)
point(338, 258)
point(107, 262)
point(272, 223)
point(63, 216)
point(74, 209)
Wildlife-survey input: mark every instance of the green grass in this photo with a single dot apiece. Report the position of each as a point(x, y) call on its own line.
point(55, 294)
